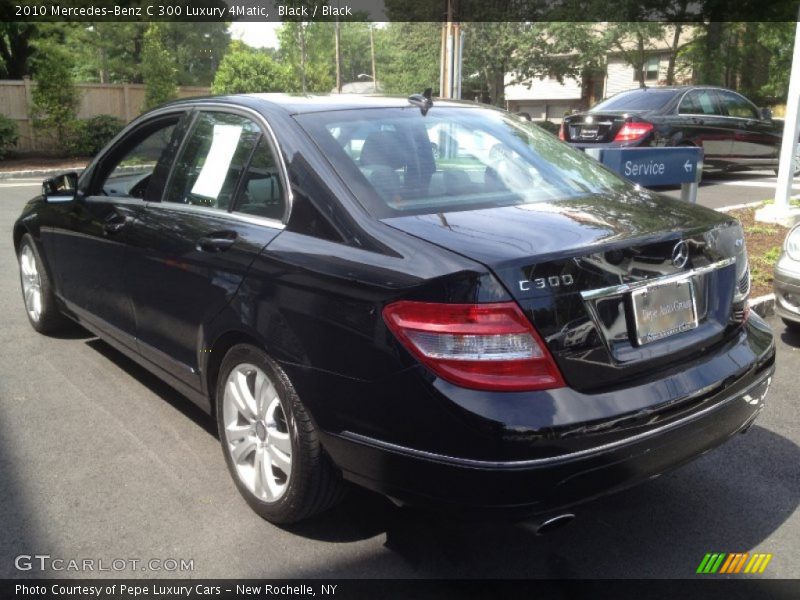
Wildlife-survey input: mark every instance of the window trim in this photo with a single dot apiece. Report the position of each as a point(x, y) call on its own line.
point(690, 114)
point(100, 171)
point(719, 103)
point(720, 96)
point(267, 132)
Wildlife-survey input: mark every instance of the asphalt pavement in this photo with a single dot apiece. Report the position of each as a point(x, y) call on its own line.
point(101, 461)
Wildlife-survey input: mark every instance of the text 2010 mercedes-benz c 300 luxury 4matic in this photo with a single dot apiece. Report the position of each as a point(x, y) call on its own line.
point(502, 324)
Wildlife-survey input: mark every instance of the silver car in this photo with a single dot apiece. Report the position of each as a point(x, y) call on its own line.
point(787, 281)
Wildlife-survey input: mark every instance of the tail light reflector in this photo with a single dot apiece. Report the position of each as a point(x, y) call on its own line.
point(479, 346)
point(561, 134)
point(633, 131)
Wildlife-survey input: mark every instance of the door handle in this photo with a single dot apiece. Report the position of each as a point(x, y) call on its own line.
point(115, 222)
point(218, 241)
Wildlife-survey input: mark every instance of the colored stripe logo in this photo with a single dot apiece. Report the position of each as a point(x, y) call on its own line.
point(736, 562)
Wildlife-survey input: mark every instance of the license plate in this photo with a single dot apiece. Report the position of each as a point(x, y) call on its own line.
point(589, 132)
point(662, 310)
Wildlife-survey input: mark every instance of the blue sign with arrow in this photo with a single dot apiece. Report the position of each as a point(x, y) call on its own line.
point(654, 166)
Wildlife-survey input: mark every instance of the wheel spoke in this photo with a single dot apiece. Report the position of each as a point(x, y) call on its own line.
point(280, 459)
point(269, 477)
point(259, 464)
point(281, 441)
point(263, 393)
point(240, 450)
point(238, 432)
point(237, 389)
point(37, 302)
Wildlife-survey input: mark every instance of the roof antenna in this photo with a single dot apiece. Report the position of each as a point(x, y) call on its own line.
point(423, 100)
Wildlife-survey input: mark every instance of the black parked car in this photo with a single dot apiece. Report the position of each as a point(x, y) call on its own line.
point(510, 327)
point(733, 133)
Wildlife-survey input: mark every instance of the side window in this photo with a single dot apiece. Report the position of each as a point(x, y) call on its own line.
point(212, 160)
point(737, 106)
point(129, 175)
point(262, 192)
point(699, 102)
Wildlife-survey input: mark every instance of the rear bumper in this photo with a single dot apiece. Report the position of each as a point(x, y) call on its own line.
point(582, 465)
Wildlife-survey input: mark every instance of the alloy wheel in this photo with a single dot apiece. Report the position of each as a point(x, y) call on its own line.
point(31, 283)
point(256, 432)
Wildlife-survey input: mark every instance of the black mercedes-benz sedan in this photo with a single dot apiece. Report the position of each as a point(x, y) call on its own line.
point(502, 325)
point(733, 133)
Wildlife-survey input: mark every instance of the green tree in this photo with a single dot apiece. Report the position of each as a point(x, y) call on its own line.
point(16, 48)
point(55, 98)
point(158, 69)
point(308, 49)
point(634, 42)
point(244, 70)
point(407, 55)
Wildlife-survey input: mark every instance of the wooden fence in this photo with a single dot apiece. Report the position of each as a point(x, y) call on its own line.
point(124, 101)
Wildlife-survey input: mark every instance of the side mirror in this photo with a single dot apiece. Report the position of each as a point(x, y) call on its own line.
point(62, 187)
point(766, 114)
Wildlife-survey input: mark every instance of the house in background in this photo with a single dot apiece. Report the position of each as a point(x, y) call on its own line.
point(549, 100)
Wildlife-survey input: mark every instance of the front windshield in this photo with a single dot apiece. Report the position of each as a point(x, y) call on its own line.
point(397, 161)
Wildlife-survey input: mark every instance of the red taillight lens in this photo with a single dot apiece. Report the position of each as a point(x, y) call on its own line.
point(478, 346)
point(561, 134)
point(633, 131)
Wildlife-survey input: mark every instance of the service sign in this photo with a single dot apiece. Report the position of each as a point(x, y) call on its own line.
point(654, 166)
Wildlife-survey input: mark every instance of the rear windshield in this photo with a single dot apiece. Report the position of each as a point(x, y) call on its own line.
point(397, 161)
point(648, 99)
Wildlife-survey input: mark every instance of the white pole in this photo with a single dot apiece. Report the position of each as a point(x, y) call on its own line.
point(791, 129)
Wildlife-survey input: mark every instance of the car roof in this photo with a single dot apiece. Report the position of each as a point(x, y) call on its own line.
point(299, 103)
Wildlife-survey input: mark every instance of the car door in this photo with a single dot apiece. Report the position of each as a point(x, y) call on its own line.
point(191, 248)
point(90, 244)
point(754, 139)
point(704, 124)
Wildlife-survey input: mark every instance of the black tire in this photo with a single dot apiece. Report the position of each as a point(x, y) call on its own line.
point(792, 326)
point(314, 484)
point(50, 319)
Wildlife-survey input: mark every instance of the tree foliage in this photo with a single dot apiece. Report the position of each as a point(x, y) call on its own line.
point(158, 68)
point(55, 98)
point(244, 70)
point(407, 54)
point(751, 57)
point(9, 134)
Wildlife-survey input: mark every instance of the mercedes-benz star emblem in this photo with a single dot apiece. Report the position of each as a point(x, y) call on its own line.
point(680, 254)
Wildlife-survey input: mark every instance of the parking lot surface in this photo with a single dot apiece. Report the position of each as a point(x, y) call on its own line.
point(100, 460)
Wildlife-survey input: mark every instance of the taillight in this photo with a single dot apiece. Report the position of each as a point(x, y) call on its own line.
point(633, 131)
point(561, 134)
point(479, 346)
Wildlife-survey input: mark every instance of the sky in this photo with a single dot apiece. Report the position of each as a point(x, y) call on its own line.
point(257, 35)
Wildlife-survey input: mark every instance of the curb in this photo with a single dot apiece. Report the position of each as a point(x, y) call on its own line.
point(36, 172)
point(763, 306)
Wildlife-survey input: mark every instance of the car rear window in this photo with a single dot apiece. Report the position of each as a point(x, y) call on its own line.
point(398, 161)
point(647, 99)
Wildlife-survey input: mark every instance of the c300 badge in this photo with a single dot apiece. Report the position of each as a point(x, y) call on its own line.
point(541, 283)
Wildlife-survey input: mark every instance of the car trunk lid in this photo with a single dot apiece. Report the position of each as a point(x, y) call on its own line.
point(578, 269)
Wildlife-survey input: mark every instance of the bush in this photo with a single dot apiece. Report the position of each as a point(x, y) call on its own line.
point(9, 134)
point(548, 126)
point(88, 136)
point(247, 71)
